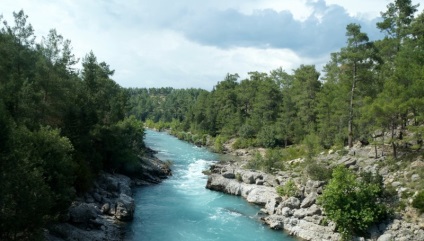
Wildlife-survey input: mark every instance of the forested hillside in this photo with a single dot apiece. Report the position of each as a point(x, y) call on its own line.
point(59, 127)
point(367, 89)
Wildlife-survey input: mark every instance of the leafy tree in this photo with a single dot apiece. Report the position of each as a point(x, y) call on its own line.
point(352, 204)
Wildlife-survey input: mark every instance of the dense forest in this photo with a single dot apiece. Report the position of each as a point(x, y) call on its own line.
point(59, 127)
point(368, 89)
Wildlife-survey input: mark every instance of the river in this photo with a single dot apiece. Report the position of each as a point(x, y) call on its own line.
point(182, 209)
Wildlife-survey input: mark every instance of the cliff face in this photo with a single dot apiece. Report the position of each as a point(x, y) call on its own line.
point(299, 215)
point(102, 213)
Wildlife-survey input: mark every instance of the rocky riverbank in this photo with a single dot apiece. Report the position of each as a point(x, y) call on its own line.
point(103, 212)
point(300, 215)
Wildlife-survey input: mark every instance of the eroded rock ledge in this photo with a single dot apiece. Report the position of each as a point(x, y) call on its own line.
point(299, 216)
point(101, 214)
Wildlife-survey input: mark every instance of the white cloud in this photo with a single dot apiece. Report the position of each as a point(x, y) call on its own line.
point(151, 43)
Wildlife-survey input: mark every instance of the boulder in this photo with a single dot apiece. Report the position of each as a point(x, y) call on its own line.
point(299, 213)
point(260, 195)
point(275, 222)
point(82, 213)
point(249, 177)
point(309, 200)
point(286, 212)
point(292, 203)
point(229, 175)
point(313, 210)
point(385, 237)
point(272, 204)
point(105, 208)
point(415, 177)
point(124, 208)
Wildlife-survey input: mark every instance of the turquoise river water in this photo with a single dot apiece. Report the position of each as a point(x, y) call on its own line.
point(182, 209)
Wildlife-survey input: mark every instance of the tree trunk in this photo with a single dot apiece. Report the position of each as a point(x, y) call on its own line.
point(393, 141)
point(350, 122)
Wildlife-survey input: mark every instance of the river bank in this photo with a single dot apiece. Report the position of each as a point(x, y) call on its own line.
point(103, 212)
point(300, 215)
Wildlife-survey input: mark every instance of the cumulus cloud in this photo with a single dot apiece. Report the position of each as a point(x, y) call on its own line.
point(192, 43)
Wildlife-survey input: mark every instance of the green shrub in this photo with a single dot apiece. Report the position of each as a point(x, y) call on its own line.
point(241, 143)
point(353, 204)
point(418, 201)
point(255, 162)
point(318, 172)
point(267, 137)
point(272, 160)
point(289, 189)
point(247, 131)
point(312, 145)
point(238, 177)
point(218, 145)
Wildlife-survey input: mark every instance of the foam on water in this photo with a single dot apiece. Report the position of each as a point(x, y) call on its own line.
point(182, 209)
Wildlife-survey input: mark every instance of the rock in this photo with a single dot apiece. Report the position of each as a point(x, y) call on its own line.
point(97, 197)
point(83, 212)
point(309, 200)
point(105, 208)
point(275, 222)
point(260, 195)
point(385, 237)
point(125, 208)
point(270, 180)
point(292, 203)
point(396, 184)
point(272, 204)
point(415, 177)
point(229, 175)
point(347, 161)
point(315, 219)
point(249, 177)
point(313, 186)
point(286, 212)
point(259, 182)
point(299, 213)
point(313, 210)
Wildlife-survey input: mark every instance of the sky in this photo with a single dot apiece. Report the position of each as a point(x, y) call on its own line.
point(195, 43)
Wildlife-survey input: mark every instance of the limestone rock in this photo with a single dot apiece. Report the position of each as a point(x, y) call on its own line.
point(286, 212)
point(309, 200)
point(292, 203)
point(125, 208)
point(82, 213)
point(105, 208)
point(229, 175)
point(260, 195)
point(299, 213)
point(249, 177)
point(385, 237)
point(313, 210)
point(275, 222)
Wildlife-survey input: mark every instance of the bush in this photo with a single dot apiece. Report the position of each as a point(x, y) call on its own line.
point(418, 201)
point(255, 162)
point(289, 189)
point(247, 131)
point(351, 203)
point(312, 145)
point(238, 177)
point(272, 160)
point(243, 143)
point(318, 172)
point(218, 145)
point(267, 137)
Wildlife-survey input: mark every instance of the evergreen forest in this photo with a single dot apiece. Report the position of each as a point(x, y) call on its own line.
point(59, 127)
point(368, 89)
